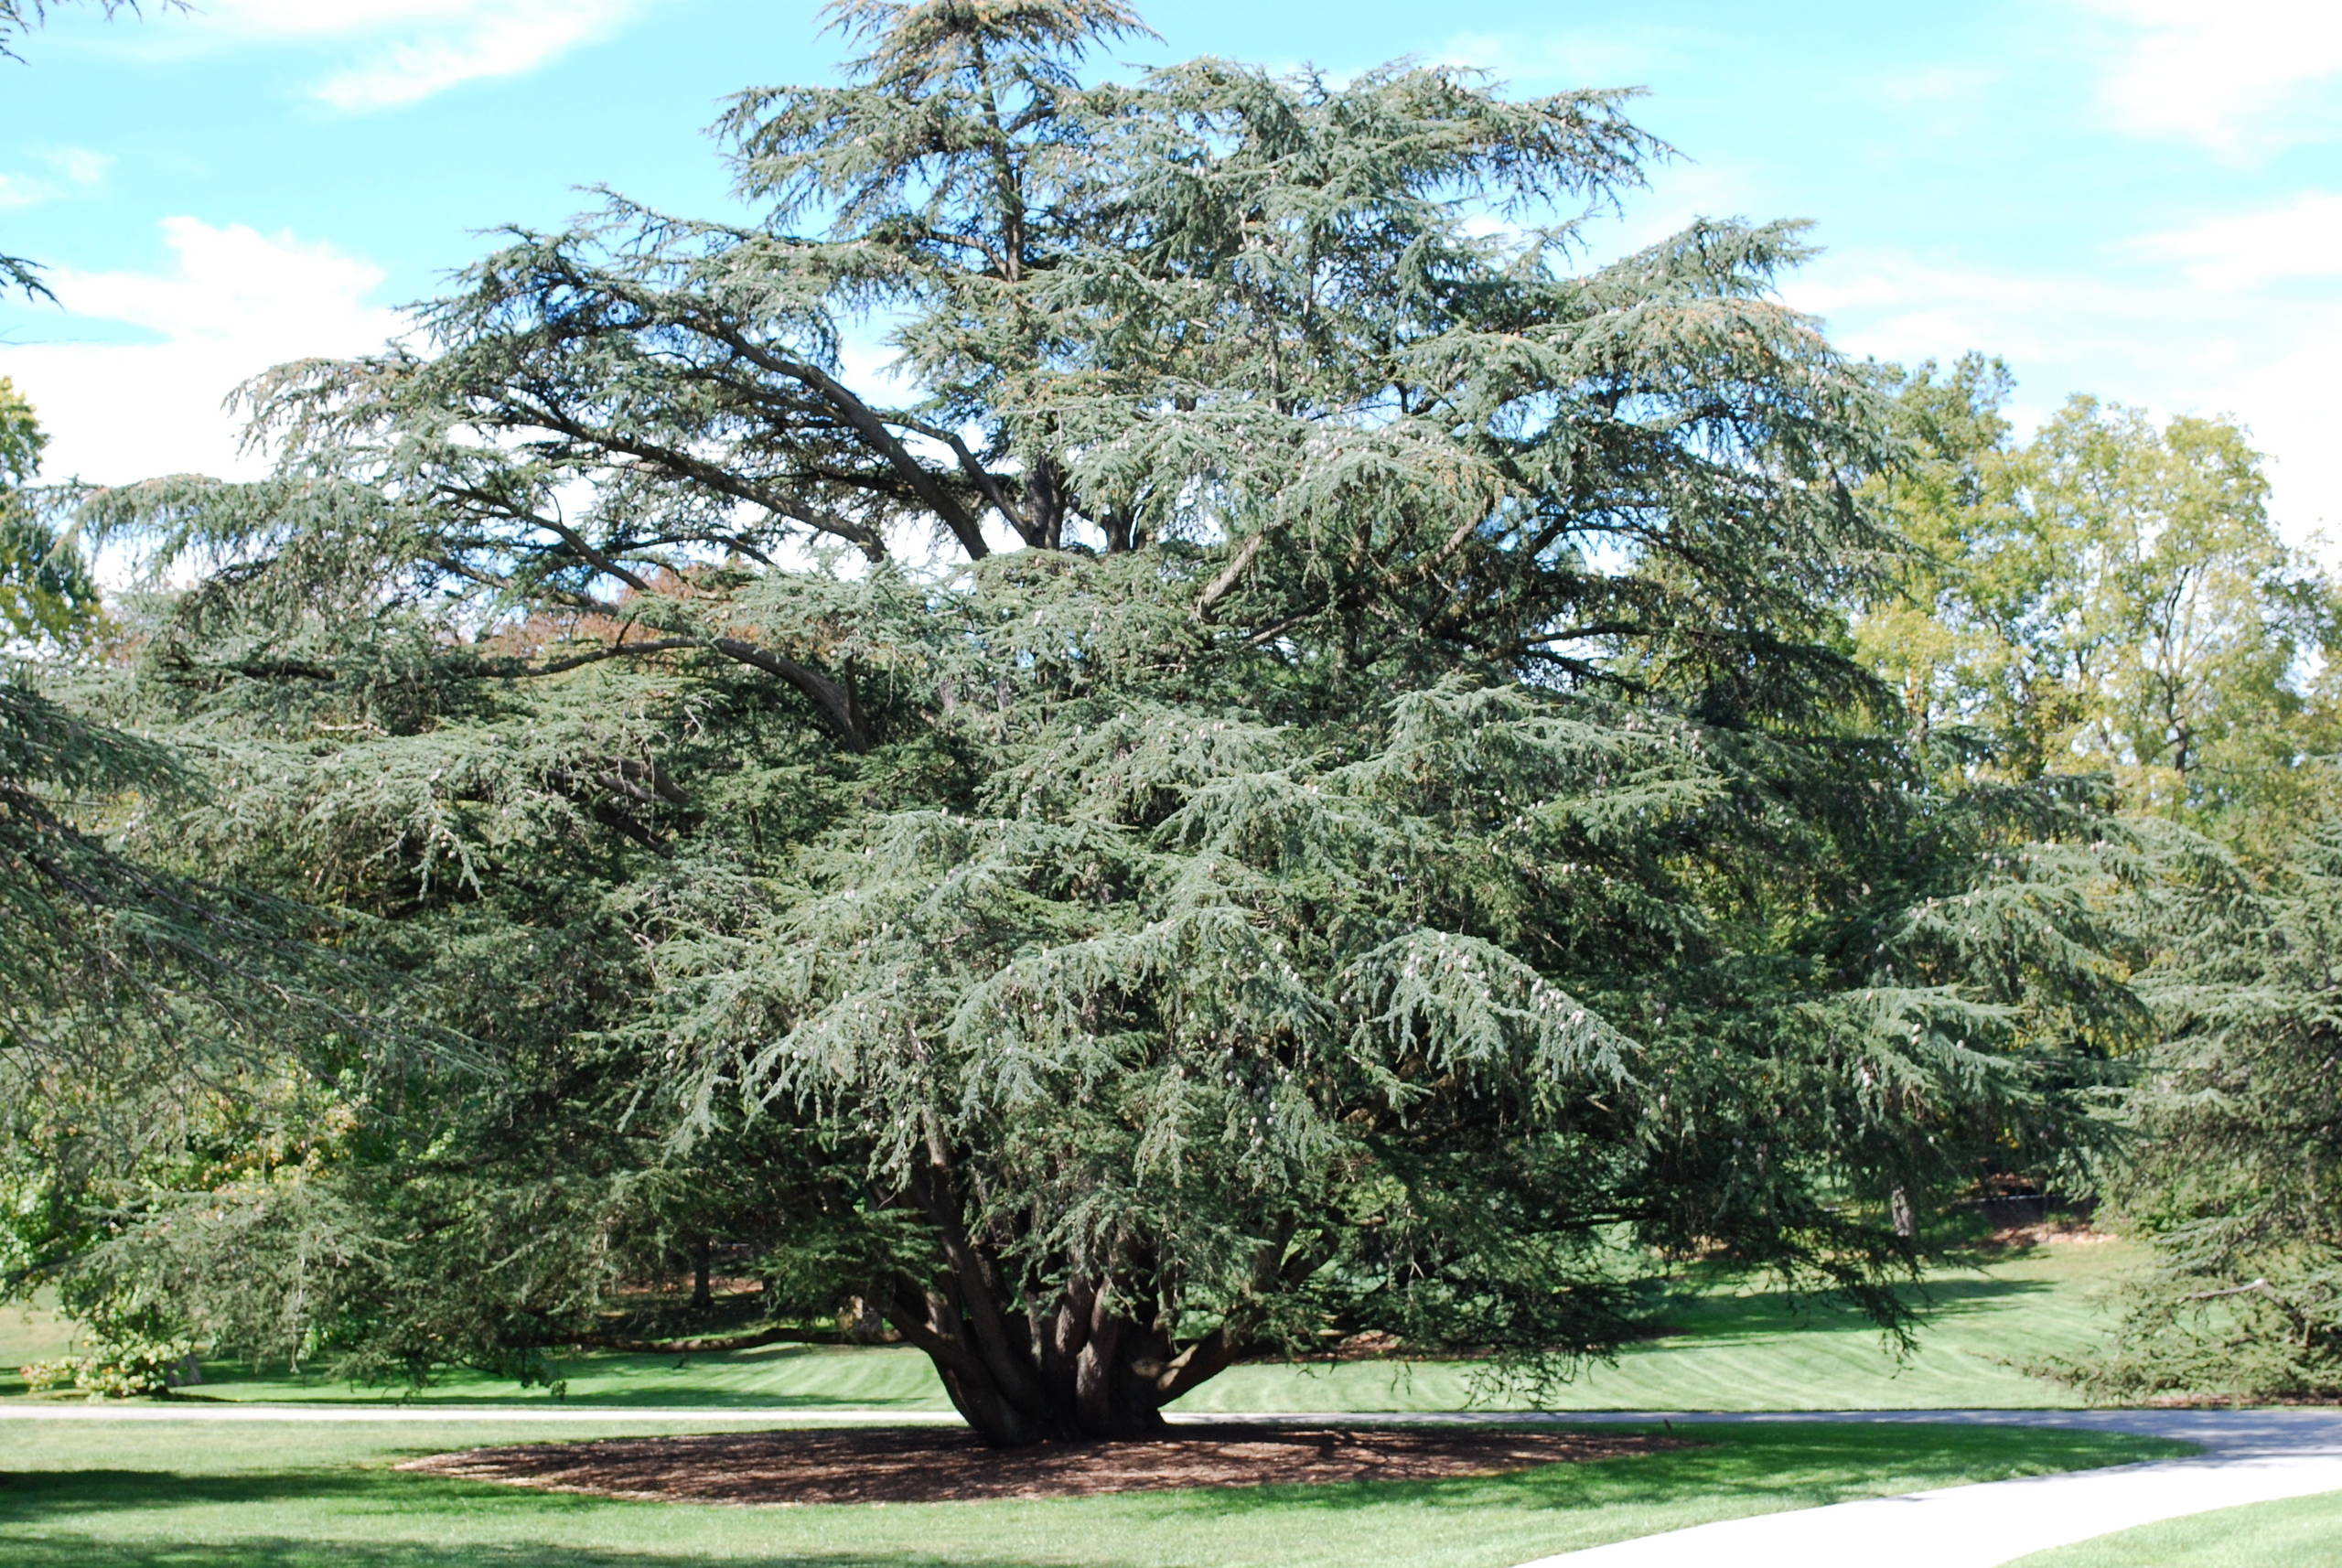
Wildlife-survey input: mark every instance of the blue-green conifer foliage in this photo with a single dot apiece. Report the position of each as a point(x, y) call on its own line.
point(1292, 766)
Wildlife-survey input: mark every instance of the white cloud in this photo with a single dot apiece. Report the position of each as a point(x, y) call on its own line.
point(79, 164)
point(411, 49)
point(2239, 77)
point(2173, 346)
point(2287, 399)
point(234, 302)
point(503, 39)
point(69, 168)
point(2300, 240)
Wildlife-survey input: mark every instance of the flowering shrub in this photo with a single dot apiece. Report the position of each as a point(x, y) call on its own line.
point(114, 1371)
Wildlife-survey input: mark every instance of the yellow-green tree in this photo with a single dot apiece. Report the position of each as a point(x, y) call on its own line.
point(45, 593)
point(2111, 596)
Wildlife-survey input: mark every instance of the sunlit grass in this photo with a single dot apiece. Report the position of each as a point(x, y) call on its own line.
point(207, 1495)
point(28, 1332)
point(2299, 1532)
point(282, 1495)
point(1739, 1348)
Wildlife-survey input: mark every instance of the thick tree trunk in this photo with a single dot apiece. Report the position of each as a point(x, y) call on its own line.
point(702, 1295)
point(1099, 1394)
point(1078, 1371)
point(1093, 1361)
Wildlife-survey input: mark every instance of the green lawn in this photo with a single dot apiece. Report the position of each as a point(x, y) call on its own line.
point(29, 1334)
point(281, 1494)
point(2300, 1532)
point(1739, 1349)
point(1749, 1349)
point(205, 1495)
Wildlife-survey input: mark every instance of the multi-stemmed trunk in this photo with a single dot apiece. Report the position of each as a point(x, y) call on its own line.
point(1093, 1358)
point(1076, 1368)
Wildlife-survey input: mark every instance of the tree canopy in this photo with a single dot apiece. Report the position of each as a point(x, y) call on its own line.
point(2112, 599)
point(2238, 1177)
point(1292, 765)
point(138, 1001)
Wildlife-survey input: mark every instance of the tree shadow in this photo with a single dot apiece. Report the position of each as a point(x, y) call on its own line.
point(1807, 1465)
point(68, 1549)
point(30, 1495)
point(601, 1380)
point(1719, 1319)
point(706, 1400)
point(50, 1519)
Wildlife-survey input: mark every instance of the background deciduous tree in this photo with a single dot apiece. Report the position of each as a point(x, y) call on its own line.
point(2109, 596)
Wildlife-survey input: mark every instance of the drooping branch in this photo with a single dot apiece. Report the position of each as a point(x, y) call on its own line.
point(867, 422)
point(683, 465)
point(994, 492)
point(595, 656)
point(834, 699)
point(576, 542)
point(1225, 581)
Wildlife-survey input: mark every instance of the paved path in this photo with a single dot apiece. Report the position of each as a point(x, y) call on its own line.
point(2248, 1456)
point(570, 1414)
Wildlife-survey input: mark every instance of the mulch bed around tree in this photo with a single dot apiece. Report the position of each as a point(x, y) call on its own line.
point(863, 1464)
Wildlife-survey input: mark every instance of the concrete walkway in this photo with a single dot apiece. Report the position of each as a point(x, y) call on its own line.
point(2251, 1455)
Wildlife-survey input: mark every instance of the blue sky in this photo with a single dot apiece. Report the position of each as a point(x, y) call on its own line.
point(2140, 198)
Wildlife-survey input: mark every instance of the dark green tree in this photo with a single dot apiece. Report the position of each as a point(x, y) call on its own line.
point(2236, 1182)
point(1293, 768)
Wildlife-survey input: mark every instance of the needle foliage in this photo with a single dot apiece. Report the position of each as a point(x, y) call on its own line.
point(1293, 768)
point(2238, 1178)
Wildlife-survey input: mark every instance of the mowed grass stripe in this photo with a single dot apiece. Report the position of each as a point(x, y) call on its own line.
point(1737, 1349)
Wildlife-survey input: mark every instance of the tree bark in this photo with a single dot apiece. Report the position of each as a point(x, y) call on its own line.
point(703, 1294)
point(1091, 1359)
point(1078, 1371)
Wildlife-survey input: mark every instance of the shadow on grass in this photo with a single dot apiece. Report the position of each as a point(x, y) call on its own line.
point(30, 1495)
point(49, 1520)
point(1719, 1319)
point(611, 1380)
point(1803, 1466)
point(65, 1549)
point(714, 1402)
